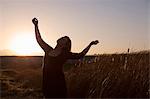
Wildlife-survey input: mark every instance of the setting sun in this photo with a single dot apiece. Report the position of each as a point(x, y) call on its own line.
point(24, 44)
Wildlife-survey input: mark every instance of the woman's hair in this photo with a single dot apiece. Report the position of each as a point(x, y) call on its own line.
point(65, 43)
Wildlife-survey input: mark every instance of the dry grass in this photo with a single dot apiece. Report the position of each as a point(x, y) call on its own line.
point(107, 76)
point(111, 76)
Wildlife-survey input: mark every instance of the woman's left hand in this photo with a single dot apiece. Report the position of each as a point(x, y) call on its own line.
point(94, 42)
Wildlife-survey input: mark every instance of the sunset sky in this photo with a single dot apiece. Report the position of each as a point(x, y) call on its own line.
point(117, 24)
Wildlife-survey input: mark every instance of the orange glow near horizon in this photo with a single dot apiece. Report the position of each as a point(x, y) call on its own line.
point(24, 44)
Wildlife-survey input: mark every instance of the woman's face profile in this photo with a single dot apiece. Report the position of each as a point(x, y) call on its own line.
point(63, 42)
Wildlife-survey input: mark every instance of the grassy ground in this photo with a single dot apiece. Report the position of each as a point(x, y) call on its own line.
point(107, 76)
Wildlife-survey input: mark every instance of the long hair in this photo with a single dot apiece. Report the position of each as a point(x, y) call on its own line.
point(65, 42)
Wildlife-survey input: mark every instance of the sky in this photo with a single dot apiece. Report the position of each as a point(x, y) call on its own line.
point(117, 24)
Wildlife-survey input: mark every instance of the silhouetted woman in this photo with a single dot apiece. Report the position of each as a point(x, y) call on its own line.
point(54, 85)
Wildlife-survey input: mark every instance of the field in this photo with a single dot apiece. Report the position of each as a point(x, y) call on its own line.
point(101, 76)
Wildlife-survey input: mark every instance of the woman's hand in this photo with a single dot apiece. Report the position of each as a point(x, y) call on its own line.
point(94, 42)
point(35, 21)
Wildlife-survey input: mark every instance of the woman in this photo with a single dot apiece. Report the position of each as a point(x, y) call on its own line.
point(54, 85)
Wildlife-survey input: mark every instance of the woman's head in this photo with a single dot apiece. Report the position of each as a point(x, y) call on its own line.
point(64, 43)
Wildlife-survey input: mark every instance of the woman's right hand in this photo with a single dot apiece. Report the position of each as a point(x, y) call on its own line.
point(35, 21)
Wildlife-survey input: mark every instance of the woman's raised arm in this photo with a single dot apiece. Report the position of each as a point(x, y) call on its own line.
point(40, 41)
point(83, 53)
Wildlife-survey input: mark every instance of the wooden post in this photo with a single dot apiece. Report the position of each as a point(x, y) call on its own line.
point(0, 62)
